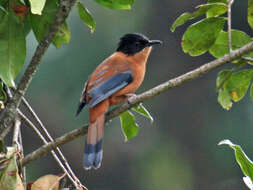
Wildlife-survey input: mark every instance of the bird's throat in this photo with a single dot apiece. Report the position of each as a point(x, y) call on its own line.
point(142, 56)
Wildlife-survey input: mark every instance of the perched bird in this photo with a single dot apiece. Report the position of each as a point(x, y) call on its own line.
point(112, 82)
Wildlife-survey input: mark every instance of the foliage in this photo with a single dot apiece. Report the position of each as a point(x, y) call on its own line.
point(18, 18)
point(244, 162)
point(208, 35)
point(9, 177)
point(128, 123)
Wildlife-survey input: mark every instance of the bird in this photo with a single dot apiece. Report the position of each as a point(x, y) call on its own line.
point(112, 82)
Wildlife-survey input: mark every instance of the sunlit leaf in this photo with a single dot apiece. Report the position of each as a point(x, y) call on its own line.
point(20, 185)
point(86, 16)
point(244, 162)
point(37, 6)
point(199, 37)
point(62, 36)
point(217, 10)
point(143, 111)
point(8, 180)
point(248, 182)
point(46, 182)
point(213, 9)
point(220, 47)
point(40, 24)
point(12, 47)
point(250, 13)
point(116, 4)
point(128, 124)
point(238, 84)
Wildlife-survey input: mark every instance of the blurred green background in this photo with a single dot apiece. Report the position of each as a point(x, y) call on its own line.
point(179, 150)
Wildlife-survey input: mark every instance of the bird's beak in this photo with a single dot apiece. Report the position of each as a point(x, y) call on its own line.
point(154, 42)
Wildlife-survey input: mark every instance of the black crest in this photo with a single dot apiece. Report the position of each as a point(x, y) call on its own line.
point(132, 43)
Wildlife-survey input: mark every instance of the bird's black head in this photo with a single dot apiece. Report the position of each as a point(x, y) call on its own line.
point(131, 44)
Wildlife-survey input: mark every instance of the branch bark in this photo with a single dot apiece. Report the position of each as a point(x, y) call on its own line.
point(229, 4)
point(178, 81)
point(9, 113)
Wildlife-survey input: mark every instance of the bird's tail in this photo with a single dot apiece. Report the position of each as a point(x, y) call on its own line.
point(93, 153)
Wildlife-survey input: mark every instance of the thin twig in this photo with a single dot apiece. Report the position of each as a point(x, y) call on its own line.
point(16, 132)
point(76, 184)
point(45, 142)
point(250, 59)
point(9, 113)
point(41, 125)
point(229, 4)
point(22, 157)
point(178, 81)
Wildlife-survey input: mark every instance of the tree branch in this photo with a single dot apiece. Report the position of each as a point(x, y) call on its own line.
point(68, 170)
point(9, 113)
point(229, 4)
point(178, 81)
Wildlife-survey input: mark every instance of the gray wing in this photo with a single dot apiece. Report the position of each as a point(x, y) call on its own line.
point(109, 87)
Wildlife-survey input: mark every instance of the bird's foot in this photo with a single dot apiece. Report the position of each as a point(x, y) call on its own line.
point(131, 97)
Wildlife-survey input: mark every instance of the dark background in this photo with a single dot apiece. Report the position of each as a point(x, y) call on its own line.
point(179, 150)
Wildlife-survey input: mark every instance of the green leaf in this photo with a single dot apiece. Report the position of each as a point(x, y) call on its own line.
point(199, 37)
point(27, 24)
point(143, 111)
point(12, 47)
point(37, 6)
point(250, 13)
point(217, 1)
point(220, 47)
point(224, 99)
point(62, 36)
point(3, 3)
point(116, 4)
point(86, 17)
point(3, 96)
point(222, 77)
point(238, 84)
point(8, 180)
point(183, 18)
point(41, 23)
point(251, 92)
point(217, 10)
point(214, 9)
point(129, 127)
point(244, 162)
